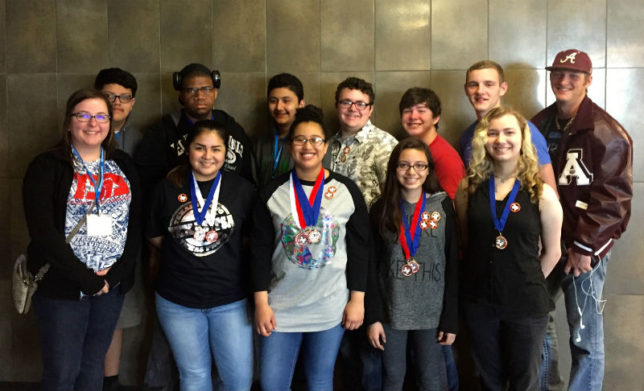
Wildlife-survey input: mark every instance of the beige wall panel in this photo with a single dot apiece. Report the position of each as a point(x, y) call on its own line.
point(624, 97)
point(244, 99)
point(596, 91)
point(625, 32)
point(3, 40)
point(6, 268)
point(31, 36)
point(6, 332)
point(328, 84)
point(579, 24)
point(239, 32)
point(30, 134)
point(293, 43)
point(312, 88)
point(390, 87)
point(186, 33)
point(347, 35)
point(133, 31)
point(147, 108)
point(459, 33)
point(457, 113)
point(4, 132)
point(517, 32)
point(626, 270)
point(623, 320)
point(81, 35)
point(170, 97)
point(525, 90)
point(402, 35)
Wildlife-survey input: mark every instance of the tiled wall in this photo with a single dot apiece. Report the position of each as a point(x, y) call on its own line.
point(49, 48)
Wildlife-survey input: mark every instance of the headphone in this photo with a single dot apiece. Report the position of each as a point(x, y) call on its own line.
point(177, 79)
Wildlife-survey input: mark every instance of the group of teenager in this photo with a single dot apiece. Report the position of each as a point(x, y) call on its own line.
point(310, 247)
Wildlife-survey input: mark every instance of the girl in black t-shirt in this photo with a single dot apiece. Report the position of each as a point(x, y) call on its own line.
point(198, 217)
point(511, 226)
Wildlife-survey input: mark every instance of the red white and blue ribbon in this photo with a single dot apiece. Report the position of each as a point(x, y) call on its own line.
point(408, 245)
point(306, 210)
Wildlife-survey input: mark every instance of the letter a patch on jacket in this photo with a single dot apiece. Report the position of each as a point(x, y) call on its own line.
point(575, 168)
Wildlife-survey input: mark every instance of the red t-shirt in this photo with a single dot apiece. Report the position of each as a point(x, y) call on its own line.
point(449, 166)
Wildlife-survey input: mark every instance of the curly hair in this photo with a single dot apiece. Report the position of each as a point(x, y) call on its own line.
point(481, 165)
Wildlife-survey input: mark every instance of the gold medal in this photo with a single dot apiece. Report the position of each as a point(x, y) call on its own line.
point(406, 270)
point(500, 242)
point(415, 267)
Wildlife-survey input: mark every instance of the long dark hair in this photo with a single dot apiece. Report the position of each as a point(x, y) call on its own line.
point(74, 99)
point(390, 214)
point(177, 175)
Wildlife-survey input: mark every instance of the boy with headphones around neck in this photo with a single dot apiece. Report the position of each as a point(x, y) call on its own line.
point(163, 144)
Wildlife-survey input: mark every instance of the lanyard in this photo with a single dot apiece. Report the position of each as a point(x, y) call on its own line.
point(306, 210)
point(196, 198)
point(277, 153)
point(408, 245)
point(97, 189)
point(500, 224)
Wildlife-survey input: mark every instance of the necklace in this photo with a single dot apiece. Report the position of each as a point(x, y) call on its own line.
point(565, 128)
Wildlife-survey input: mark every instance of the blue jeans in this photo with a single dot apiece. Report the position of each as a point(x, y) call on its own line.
point(584, 308)
point(279, 355)
point(549, 377)
point(75, 335)
point(428, 359)
point(194, 334)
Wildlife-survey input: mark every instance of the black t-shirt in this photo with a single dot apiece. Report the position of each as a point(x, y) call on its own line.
point(510, 278)
point(202, 266)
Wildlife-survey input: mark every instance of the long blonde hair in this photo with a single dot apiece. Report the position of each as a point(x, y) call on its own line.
point(481, 165)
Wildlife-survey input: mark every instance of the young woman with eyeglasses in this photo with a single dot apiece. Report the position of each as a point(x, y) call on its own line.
point(510, 223)
point(309, 262)
point(200, 216)
point(412, 298)
point(81, 183)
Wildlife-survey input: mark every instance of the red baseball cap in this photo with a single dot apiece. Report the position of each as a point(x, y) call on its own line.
point(572, 60)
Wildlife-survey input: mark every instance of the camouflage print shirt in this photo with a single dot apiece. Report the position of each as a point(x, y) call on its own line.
point(363, 158)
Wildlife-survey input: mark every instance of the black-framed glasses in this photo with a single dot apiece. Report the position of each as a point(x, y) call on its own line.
point(360, 105)
point(123, 98)
point(418, 166)
point(316, 141)
point(84, 116)
point(195, 90)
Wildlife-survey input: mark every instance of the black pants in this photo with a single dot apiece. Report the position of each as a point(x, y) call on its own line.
point(506, 349)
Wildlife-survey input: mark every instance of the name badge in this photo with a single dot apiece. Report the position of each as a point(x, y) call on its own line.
point(99, 225)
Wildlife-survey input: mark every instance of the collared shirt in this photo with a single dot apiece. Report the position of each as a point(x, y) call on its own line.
point(363, 158)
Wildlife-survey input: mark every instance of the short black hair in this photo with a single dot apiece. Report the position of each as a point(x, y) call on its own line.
point(354, 83)
point(286, 80)
point(418, 95)
point(115, 76)
point(308, 113)
point(195, 69)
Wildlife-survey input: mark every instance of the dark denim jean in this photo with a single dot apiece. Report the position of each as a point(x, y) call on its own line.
point(75, 335)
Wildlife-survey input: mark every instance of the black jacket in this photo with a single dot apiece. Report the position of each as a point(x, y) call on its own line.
point(45, 190)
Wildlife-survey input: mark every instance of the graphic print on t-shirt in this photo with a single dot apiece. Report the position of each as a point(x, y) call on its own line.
point(313, 247)
point(205, 239)
point(102, 251)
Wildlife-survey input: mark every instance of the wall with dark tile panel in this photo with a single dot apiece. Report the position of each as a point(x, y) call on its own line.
point(49, 48)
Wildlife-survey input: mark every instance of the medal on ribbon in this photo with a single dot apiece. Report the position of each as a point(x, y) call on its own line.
point(409, 245)
point(501, 242)
point(200, 214)
point(306, 210)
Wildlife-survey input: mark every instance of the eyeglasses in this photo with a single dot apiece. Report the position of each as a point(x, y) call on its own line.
point(418, 166)
point(84, 116)
point(360, 105)
point(123, 98)
point(316, 141)
point(195, 90)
